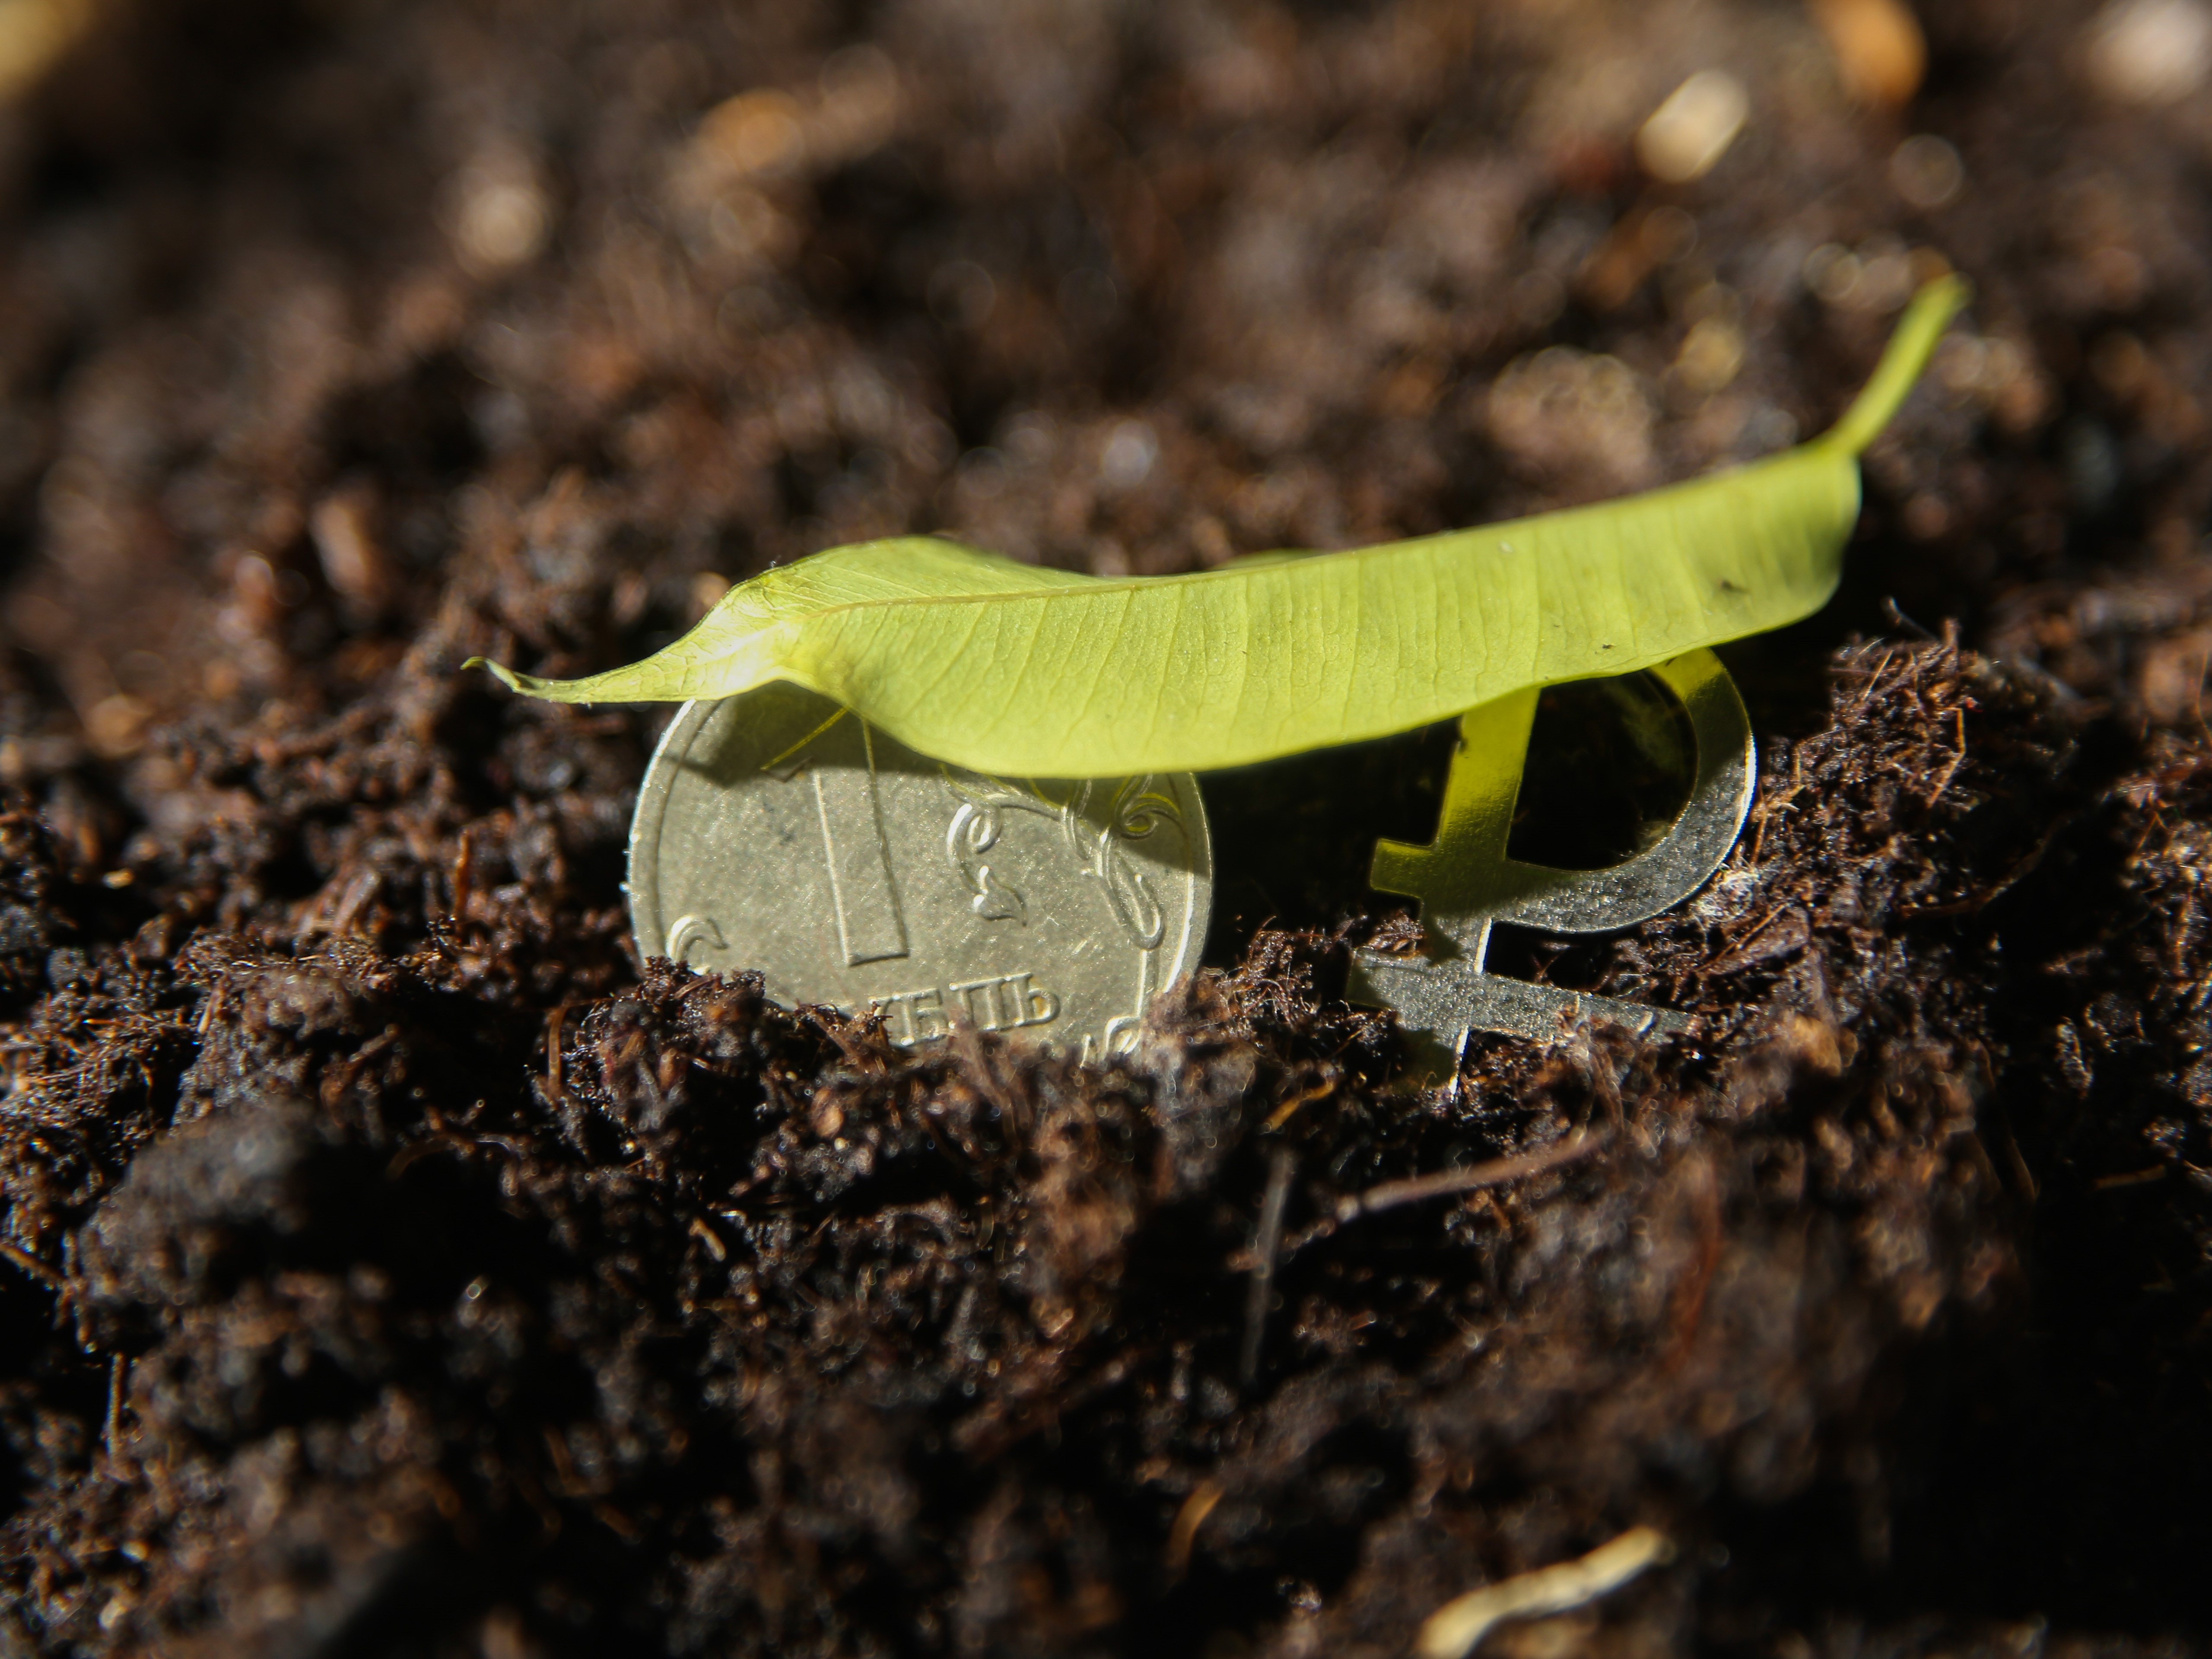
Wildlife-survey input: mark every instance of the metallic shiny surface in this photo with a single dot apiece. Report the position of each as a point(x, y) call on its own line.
point(776, 831)
point(1467, 884)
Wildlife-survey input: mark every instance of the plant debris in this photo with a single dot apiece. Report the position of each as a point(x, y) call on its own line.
point(1455, 1629)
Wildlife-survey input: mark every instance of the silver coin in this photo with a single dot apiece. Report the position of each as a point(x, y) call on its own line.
point(777, 831)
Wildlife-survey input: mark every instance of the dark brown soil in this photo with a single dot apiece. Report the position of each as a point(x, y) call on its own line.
point(393, 1265)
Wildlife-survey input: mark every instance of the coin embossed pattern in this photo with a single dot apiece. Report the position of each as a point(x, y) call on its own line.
point(776, 831)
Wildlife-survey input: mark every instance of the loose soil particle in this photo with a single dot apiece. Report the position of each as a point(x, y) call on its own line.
point(391, 1264)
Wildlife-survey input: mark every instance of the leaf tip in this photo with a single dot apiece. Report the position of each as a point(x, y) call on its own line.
point(499, 670)
point(1902, 364)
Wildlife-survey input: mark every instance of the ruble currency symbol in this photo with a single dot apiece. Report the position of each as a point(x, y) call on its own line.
point(1467, 884)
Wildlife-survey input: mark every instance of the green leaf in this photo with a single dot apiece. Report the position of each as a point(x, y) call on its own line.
point(1010, 669)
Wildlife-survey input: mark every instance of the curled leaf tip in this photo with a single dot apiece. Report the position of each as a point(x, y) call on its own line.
point(527, 684)
point(1902, 362)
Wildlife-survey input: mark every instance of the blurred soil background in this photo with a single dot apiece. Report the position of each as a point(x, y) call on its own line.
point(394, 1264)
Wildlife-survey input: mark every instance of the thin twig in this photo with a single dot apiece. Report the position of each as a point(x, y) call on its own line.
point(556, 1022)
point(1282, 1113)
point(1496, 1173)
point(1688, 1300)
point(1267, 1248)
point(31, 1265)
point(1957, 759)
point(1204, 1497)
point(713, 1240)
point(115, 1375)
point(1453, 1629)
point(1900, 619)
